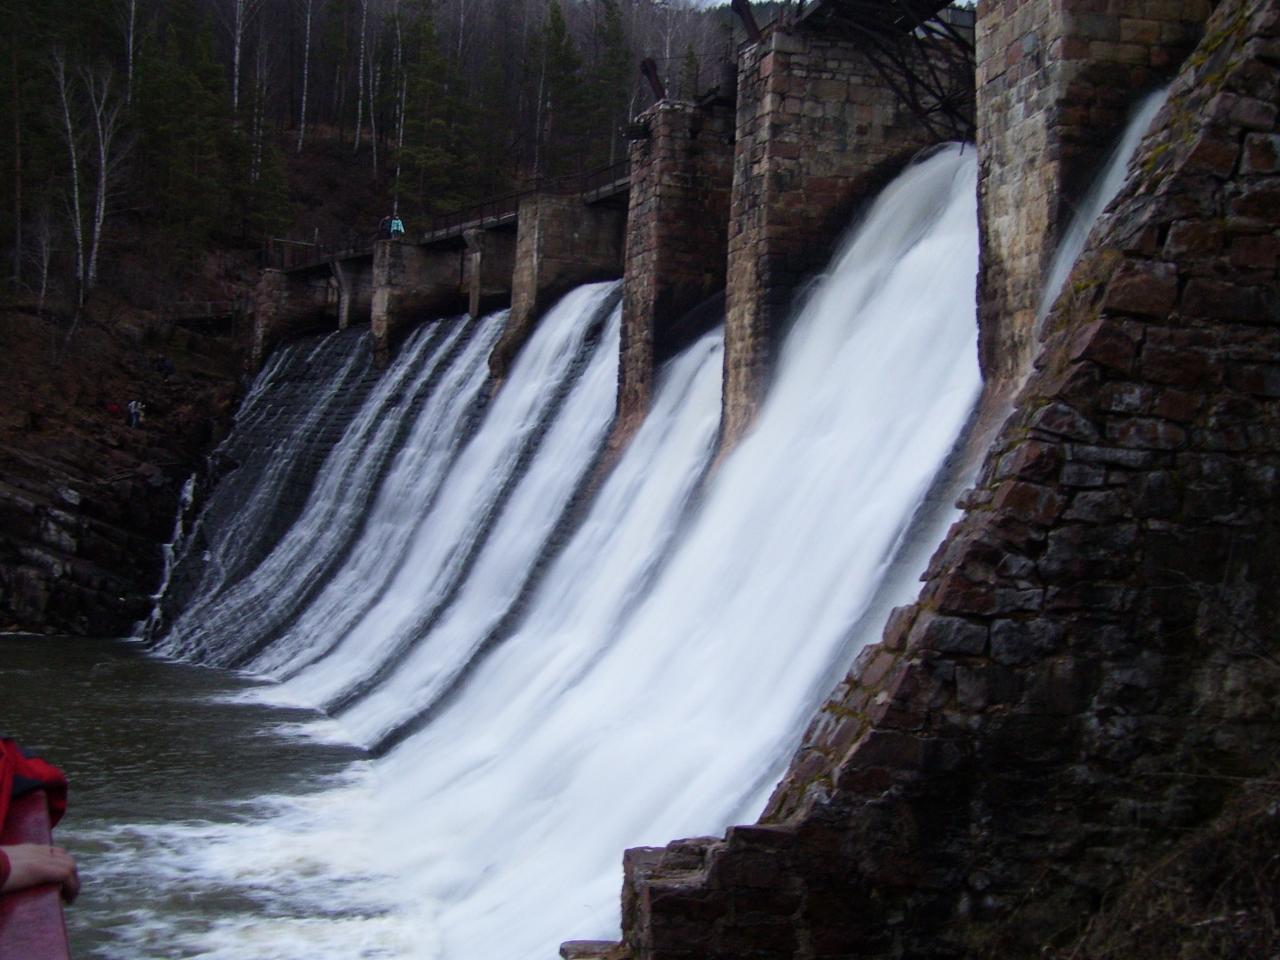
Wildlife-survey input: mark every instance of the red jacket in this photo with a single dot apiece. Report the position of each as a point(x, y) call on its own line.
point(20, 774)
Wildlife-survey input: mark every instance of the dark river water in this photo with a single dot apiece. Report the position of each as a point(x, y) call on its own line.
point(160, 758)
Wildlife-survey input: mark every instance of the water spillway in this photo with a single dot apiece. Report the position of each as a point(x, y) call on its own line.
point(556, 670)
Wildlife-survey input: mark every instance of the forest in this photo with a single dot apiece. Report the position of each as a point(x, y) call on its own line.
point(140, 135)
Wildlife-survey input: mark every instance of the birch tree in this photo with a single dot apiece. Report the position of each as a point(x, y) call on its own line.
point(106, 111)
point(237, 21)
point(101, 112)
point(308, 9)
point(73, 155)
point(127, 12)
point(364, 27)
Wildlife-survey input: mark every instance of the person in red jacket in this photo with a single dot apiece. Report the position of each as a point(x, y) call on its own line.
point(32, 864)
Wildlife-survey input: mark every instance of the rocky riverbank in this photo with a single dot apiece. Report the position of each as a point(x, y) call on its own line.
point(86, 498)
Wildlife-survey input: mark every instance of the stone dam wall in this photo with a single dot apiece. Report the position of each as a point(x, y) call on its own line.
point(1090, 669)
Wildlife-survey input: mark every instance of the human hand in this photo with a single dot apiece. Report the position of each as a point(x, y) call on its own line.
point(33, 864)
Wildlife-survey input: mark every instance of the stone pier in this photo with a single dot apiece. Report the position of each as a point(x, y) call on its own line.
point(354, 279)
point(490, 262)
point(292, 304)
point(677, 236)
point(1055, 83)
point(561, 241)
point(818, 132)
point(413, 282)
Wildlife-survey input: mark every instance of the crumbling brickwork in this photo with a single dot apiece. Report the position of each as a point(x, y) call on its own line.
point(1091, 665)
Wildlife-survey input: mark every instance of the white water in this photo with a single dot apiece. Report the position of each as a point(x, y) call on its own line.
point(455, 519)
point(1102, 191)
point(327, 520)
point(667, 660)
point(493, 584)
point(414, 482)
point(227, 545)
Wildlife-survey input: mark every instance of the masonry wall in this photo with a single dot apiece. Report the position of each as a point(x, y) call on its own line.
point(489, 265)
point(677, 237)
point(818, 132)
point(288, 305)
point(410, 283)
point(354, 278)
point(1055, 82)
point(561, 242)
point(1090, 669)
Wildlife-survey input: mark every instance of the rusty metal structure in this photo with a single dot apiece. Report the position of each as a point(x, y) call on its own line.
point(922, 50)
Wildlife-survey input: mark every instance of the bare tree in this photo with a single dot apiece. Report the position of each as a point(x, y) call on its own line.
point(102, 113)
point(127, 12)
point(42, 252)
point(107, 117)
point(364, 25)
point(237, 21)
point(308, 6)
point(73, 154)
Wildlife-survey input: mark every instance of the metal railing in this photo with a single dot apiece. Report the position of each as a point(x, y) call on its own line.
point(32, 926)
point(495, 211)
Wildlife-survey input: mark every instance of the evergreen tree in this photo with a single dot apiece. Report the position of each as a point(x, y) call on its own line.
point(610, 84)
point(427, 160)
point(564, 120)
point(186, 138)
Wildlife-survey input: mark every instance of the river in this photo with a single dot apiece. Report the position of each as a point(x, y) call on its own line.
point(158, 756)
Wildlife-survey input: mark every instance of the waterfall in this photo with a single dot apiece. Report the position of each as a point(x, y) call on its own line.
point(557, 665)
point(1102, 191)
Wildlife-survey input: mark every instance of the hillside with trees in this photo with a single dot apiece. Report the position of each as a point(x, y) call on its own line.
point(151, 146)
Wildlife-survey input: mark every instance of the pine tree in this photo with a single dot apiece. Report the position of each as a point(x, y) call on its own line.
point(185, 135)
point(426, 158)
point(564, 99)
point(610, 84)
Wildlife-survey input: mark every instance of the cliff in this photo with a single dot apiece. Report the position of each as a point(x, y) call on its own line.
point(85, 499)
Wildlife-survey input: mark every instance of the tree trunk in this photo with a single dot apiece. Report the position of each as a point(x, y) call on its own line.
point(17, 162)
point(237, 45)
point(306, 71)
point(374, 76)
point(77, 225)
point(106, 124)
point(130, 46)
point(364, 21)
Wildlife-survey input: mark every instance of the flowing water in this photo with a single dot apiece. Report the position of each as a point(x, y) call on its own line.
point(549, 664)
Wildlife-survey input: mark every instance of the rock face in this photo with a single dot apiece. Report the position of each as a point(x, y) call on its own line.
point(1091, 666)
point(85, 499)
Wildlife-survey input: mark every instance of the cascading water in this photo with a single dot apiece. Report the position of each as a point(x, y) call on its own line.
point(1101, 192)
point(548, 704)
point(258, 604)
